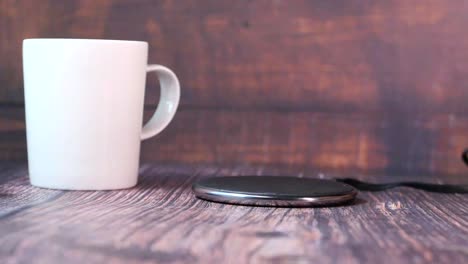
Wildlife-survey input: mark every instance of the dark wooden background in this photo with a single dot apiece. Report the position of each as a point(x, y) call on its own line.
point(350, 86)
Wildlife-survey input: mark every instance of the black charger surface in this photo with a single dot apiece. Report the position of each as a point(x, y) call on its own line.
point(274, 191)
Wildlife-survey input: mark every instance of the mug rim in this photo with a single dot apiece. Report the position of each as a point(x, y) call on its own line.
point(86, 40)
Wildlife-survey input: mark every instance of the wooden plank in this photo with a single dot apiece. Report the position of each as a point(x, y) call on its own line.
point(352, 143)
point(399, 56)
point(161, 221)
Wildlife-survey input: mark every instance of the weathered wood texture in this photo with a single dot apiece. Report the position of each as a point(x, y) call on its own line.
point(335, 84)
point(351, 143)
point(402, 56)
point(161, 221)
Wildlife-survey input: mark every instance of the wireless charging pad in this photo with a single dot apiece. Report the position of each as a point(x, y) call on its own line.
point(274, 191)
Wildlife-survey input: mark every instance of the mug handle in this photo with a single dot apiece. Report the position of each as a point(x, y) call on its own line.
point(168, 102)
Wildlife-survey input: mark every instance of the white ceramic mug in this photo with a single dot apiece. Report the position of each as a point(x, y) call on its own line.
point(84, 110)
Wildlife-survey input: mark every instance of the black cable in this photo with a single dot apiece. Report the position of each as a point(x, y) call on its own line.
point(464, 157)
point(374, 187)
point(430, 187)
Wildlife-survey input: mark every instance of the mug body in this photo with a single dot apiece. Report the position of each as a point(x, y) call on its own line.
point(84, 109)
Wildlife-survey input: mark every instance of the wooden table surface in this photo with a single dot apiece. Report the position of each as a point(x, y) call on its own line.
point(161, 221)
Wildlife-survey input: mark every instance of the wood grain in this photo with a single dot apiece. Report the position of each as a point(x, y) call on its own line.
point(399, 56)
point(331, 142)
point(376, 86)
point(161, 221)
